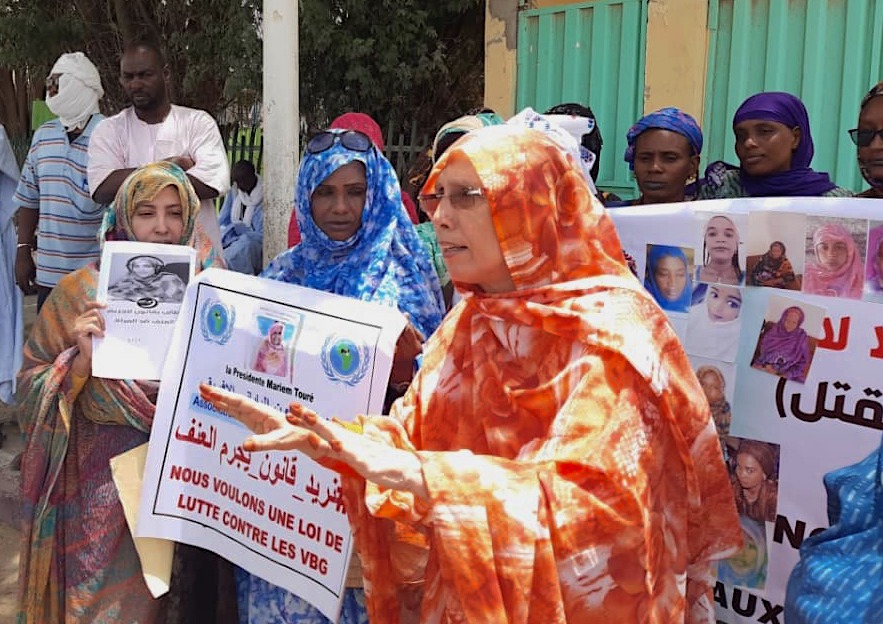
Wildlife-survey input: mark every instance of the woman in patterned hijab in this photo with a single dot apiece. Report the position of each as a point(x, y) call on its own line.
point(357, 239)
point(554, 459)
point(74, 424)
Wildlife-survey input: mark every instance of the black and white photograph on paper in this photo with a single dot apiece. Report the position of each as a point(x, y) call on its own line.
point(148, 279)
point(143, 286)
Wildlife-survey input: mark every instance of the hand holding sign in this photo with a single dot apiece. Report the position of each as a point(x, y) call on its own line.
point(89, 323)
point(302, 430)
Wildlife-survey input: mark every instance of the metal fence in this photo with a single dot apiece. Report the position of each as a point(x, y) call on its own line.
point(401, 148)
point(246, 143)
point(402, 145)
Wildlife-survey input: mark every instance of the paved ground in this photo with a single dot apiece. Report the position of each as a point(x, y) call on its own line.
point(9, 535)
point(9, 498)
point(8, 571)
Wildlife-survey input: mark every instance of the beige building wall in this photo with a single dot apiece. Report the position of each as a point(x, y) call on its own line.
point(677, 53)
point(500, 35)
point(675, 67)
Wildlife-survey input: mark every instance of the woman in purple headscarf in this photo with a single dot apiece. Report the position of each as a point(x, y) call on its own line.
point(663, 151)
point(775, 148)
point(784, 347)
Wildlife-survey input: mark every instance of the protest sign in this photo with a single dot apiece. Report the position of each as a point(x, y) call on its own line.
point(782, 325)
point(143, 286)
point(279, 515)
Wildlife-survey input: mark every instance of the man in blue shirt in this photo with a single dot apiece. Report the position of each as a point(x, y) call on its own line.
point(53, 191)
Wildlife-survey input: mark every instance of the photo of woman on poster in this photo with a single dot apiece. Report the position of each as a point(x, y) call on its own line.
point(714, 322)
point(272, 355)
point(146, 277)
point(834, 267)
point(874, 265)
point(774, 249)
point(720, 253)
point(754, 477)
point(714, 387)
point(668, 277)
point(774, 270)
point(783, 348)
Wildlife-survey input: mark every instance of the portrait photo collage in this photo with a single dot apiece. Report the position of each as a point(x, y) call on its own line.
point(701, 289)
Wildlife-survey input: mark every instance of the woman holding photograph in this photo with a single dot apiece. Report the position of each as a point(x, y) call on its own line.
point(783, 348)
point(720, 253)
point(714, 324)
point(78, 560)
point(773, 269)
point(147, 278)
point(837, 269)
point(554, 459)
point(357, 241)
point(668, 277)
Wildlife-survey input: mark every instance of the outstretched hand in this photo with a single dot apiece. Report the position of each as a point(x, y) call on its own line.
point(303, 430)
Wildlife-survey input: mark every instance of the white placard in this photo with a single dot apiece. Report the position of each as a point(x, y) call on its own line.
point(826, 415)
point(279, 515)
point(143, 286)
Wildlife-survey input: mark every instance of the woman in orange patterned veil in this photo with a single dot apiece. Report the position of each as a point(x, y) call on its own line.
point(554, 459)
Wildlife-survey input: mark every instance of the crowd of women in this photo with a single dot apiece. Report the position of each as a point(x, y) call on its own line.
point(548, 454)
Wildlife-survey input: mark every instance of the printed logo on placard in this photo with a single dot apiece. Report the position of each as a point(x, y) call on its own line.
point(216, 321)
point(344, 360)
point(147, 302)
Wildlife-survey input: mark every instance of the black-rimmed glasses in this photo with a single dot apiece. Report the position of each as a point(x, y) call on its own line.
point(464, 198)
point(350, 139)
point(863, 138)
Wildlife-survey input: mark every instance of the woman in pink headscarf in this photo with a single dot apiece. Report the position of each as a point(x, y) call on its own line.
point(272, 357)
point(838, 270)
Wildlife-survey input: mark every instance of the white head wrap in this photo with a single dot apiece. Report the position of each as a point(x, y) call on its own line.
point(79, 89)
point(529, 118)
point(576, 127)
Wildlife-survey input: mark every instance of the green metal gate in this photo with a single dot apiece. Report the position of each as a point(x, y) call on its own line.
point(827, 52)
point(592, 53)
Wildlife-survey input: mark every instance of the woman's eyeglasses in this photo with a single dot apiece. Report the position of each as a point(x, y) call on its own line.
point(464, 198)
point(351, 139)
point(863, 138)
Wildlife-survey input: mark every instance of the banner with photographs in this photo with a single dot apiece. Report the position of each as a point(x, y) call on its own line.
point(279, 515)
point(778, 305)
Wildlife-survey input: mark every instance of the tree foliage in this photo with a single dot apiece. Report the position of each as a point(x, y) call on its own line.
point(213, 46)
point(397, 60)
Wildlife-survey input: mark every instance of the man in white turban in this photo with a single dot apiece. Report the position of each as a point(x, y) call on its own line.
point(53, 190)
point(73, 90)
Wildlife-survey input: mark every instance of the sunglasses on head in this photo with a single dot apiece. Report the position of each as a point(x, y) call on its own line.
point(350, 139)
point(863, 138)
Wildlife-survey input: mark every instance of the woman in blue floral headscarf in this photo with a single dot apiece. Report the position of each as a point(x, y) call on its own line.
point(663, 152)
point(357, 241)
point(382, 259)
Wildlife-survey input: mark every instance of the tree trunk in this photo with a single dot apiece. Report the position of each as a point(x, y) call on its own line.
point(13, 93)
